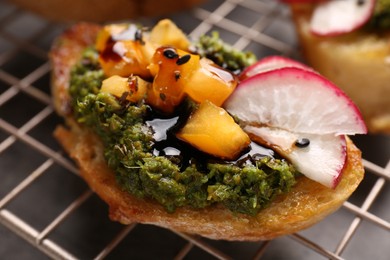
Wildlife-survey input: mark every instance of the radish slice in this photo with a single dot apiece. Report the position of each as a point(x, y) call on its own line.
point(271, 63)
point(321, 158)
point(296, 100)
point(335, 17)
point(301, 115)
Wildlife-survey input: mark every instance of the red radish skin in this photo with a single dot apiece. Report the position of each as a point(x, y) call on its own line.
point(338, 178)
point(271, 63)
point(335, 17)
point(322, 167)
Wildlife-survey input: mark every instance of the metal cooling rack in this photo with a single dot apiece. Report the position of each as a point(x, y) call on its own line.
point(46, 210)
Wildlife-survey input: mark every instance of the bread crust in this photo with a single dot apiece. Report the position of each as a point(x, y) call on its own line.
point(307, 203)
point(358, 62)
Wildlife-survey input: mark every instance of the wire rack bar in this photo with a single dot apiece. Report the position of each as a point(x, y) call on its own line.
point(184, 251)
point(208, 20)
point(255, 29)
point(310, 244)
point(373, 168)
point(26, 182)
point(64, 214)
point(379, 184)
point(203, 245)
point(57, 157)
point(111, 246)
point(27, 127)
point(24, 85)
point(25, 231)
point(261, 250)
point(239, 29)
point(367, 215)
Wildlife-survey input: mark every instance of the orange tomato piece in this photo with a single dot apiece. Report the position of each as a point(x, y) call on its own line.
point(134, 87)
point(178, 74)
point(120, 53)
point(210, 82)
point(212, 130)
point(172, 69)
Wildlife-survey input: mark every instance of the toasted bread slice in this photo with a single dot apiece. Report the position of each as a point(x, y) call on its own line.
point(358, 62)
point(307, 203)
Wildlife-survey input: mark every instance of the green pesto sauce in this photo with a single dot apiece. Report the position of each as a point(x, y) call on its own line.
point(381, 17)
point(129, 151)
point(223, 54)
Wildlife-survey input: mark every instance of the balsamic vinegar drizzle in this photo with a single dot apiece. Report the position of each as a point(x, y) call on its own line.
point(166, 144)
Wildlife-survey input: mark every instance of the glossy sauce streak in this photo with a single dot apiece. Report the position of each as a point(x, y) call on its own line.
point(108, 54)
point(221, 73)
point(183, 154)
point(115, 50)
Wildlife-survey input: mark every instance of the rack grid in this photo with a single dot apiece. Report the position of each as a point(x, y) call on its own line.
point(46, 210)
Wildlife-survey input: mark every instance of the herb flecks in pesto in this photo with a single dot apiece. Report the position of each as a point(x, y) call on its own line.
point(130, 151)
point(223, 54)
